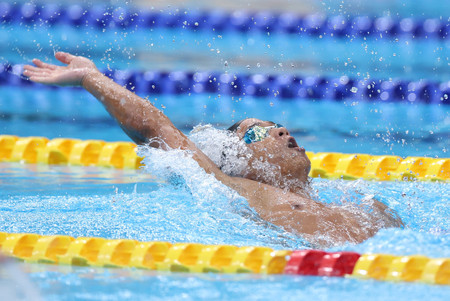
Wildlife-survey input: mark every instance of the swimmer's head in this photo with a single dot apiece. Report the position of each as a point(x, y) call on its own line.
point(272, 147)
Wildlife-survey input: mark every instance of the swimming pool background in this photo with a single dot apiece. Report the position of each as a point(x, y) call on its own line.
point(405, 129)
point(81, 201)
point(185, 49)
point(402, 129)
point(113, 204)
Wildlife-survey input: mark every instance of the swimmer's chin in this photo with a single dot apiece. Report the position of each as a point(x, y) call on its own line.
point(300, 149)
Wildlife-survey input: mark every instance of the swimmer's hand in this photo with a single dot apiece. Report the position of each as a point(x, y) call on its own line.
point(71, 75)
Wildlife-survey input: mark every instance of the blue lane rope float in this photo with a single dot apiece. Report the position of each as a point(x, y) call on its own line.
point(101, 17)
point(282, 86)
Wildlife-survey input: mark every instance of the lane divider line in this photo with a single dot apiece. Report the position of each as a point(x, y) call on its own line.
point(285, 87)
point(217, 21)
point(75, 152)
point(200, 258)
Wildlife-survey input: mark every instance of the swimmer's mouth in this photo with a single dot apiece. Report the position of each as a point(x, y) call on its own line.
point(292, 143)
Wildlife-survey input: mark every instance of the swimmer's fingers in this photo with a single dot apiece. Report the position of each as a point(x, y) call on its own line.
point(51, 80)
point(60, 77)
point(43, 65)
point(32, 74)
point(40, 75)
point(64, 57)
point(28, 68)
point(71, 75)
point(42, 79)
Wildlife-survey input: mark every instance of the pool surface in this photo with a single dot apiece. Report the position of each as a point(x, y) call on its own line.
point(148, 205)
point(80, 201)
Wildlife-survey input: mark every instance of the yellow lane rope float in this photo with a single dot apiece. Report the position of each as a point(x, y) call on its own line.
point(64, 151)
point(199, 258)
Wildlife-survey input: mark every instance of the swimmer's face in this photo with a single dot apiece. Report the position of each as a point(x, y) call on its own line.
point(275, 145)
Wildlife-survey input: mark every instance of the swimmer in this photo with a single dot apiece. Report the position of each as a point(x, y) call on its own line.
point(282, 199)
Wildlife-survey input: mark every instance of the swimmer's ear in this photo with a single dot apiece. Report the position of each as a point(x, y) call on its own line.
point(64, 57)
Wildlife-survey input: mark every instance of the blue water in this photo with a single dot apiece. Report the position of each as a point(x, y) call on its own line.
point(109, 203)
point(402, 129)
point(183, 49)
point(98, 284)
point(256, 52)
point(80, 201)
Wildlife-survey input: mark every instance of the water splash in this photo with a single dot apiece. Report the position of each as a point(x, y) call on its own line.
point(210, 198)
point(224, 148)
point(231, 154)
point(342, 196)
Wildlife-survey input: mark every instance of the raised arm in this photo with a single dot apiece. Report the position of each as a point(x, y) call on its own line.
point(138, 117)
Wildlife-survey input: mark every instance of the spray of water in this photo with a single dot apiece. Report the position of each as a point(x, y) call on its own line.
point(231, 154)
point(224, 148)
point(228, 151)
point(181, 171)
point(177, 167)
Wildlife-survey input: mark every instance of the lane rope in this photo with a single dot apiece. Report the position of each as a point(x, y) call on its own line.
point(281, 86)
point(219, 21)
point(200, 258)
point(75, 152)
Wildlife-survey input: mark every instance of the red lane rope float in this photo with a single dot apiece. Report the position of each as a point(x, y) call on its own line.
point(320, 263)
point(199, 258)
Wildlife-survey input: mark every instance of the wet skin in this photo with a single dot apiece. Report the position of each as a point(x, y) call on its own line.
point(279, 149)
point(281, 199)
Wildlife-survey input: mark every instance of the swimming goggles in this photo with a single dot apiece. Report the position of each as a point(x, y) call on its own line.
point(258, 133)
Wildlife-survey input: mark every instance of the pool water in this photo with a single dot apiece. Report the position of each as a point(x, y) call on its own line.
point(91, 201)
point(169, 49)
point(147, 205)
point(102, 284)
point(402, 129)
point(81, 201)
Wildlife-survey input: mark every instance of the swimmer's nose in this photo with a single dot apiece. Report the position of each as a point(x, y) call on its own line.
point(279, 132)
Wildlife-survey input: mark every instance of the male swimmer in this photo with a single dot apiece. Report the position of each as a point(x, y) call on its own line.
point(281, 199)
